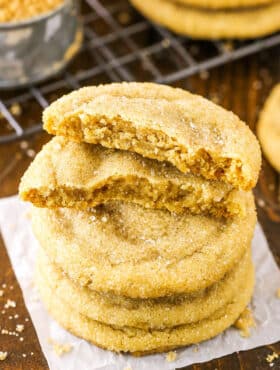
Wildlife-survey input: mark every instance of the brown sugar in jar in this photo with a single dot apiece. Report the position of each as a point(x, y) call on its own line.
point(19, 10)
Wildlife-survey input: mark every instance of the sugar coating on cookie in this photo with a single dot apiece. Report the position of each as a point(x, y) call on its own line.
point(128, 250)
point(240, 23)
point(268, 128)
point(161, 123)
point(80, 175)
point(140, 341)
point(146, 314)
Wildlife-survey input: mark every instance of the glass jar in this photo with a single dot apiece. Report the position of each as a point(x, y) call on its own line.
point(37, 48)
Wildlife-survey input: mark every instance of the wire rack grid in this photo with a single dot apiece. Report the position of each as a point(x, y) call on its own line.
point(119, 45)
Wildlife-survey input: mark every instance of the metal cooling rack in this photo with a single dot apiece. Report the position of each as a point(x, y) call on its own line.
point(119, 45)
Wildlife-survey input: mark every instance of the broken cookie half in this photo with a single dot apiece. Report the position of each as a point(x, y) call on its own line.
point(80, 175)
point(161, 123)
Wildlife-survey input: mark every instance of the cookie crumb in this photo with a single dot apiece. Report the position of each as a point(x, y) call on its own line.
point(261, 203)
point(270, 358)
point(60, 348)
point(23, 145)
point(171, 356)
point(245, 322)
point(10, 303)
point(31, 153)
point(278, 293)
point(24, 355)
point(19, 328)
point(196, 348)
point(15, 109)
point(204, 75)
point(3, 355)
point(257, 85)
point(1, 293)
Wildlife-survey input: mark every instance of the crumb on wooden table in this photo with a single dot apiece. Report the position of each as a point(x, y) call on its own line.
point(273, 356)
point(3, 355)
point(171, 356)
point(60, 348)
point(10, 303)
point(261, 202)
point(31, 153)
point(204, 74)
point(19, 328)
point(245, 322)
point(257, 85)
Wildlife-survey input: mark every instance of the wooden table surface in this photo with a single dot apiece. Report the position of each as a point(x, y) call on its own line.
point(242, 87)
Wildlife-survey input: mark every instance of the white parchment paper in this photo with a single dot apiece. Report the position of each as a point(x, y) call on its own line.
point(21, 246)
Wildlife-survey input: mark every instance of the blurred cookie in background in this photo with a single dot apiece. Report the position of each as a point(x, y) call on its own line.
point(268, 128)
point(207, 23)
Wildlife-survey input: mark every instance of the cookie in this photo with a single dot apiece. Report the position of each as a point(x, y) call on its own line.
point(241, 23)
point(162, 123)
point(125, 249)
point(145, 313)
point(140, 341)
point(268, 128)
point(224, 4)
point(79, 175)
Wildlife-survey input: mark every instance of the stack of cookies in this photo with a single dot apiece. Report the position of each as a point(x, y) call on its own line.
point(144, 214)
point(210, 19)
